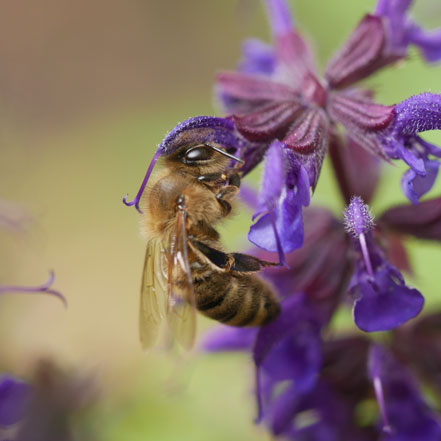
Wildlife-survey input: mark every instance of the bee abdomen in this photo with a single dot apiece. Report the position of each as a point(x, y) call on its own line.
point(237, 300)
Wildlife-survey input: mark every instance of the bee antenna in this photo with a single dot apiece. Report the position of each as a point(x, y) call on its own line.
point(223, 152)
point(137, 198)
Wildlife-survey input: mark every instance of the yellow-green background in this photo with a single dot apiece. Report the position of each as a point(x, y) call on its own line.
point(87, 90)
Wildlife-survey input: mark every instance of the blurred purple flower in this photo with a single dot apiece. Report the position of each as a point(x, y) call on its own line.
point(14, 397)
point(406, 417)
point(403, 32)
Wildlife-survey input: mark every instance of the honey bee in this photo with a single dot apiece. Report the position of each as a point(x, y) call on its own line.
point(185, 267)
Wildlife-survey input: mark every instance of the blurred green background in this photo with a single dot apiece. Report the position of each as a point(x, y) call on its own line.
point(87, 91)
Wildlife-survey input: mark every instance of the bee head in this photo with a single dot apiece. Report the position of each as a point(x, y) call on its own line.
point(202, 158)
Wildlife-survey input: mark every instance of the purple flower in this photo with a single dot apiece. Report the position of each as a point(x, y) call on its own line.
point(382, 300)
point(277, 95)
point(414, 115)
point(406, 417)
point(279, 227)
point(402, 31)
point(14, 397)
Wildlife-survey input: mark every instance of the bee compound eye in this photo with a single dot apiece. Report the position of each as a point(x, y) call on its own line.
point(198, 153)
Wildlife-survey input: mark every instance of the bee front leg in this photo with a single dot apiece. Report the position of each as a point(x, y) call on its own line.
point(224, 197)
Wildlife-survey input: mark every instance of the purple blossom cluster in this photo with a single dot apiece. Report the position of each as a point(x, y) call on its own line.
point(313, 384)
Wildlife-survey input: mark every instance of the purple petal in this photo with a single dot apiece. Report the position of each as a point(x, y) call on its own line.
point(385, 302)
point(401, 31)
point(409, 416)
point(279, 17)
point(229, 338)
point(359, 56)
point(257, 58)
point(289, 347)
point(274, 175)
point(429, 43)
point(288, 223)
point(280, 228)
point(422, 220)
point(14, 396)
point(415, 186)
point(292, 50)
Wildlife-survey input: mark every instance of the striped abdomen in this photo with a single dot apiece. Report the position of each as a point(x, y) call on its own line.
point(235, 299)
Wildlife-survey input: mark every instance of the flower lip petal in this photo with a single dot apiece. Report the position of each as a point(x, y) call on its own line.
point(415, 185)
point(257, 58)
point(385, 303)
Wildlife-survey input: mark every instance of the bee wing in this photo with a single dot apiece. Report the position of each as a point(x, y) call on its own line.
point(181, 304)
point(153, 294)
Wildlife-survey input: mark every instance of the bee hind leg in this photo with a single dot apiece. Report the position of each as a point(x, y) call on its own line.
point(230, 262)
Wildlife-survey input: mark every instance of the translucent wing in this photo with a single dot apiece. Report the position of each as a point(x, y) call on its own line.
point(181, 303)
point(153, 294)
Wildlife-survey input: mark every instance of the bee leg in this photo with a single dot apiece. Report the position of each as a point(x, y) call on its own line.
point(230, 262)
point(234, 180)
point(224, 195)
point(212, 177)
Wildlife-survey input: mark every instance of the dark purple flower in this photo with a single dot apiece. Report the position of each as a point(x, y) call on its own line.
point(406, 417)
point(45, 288)
point(14, 397)
point(382, 300)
